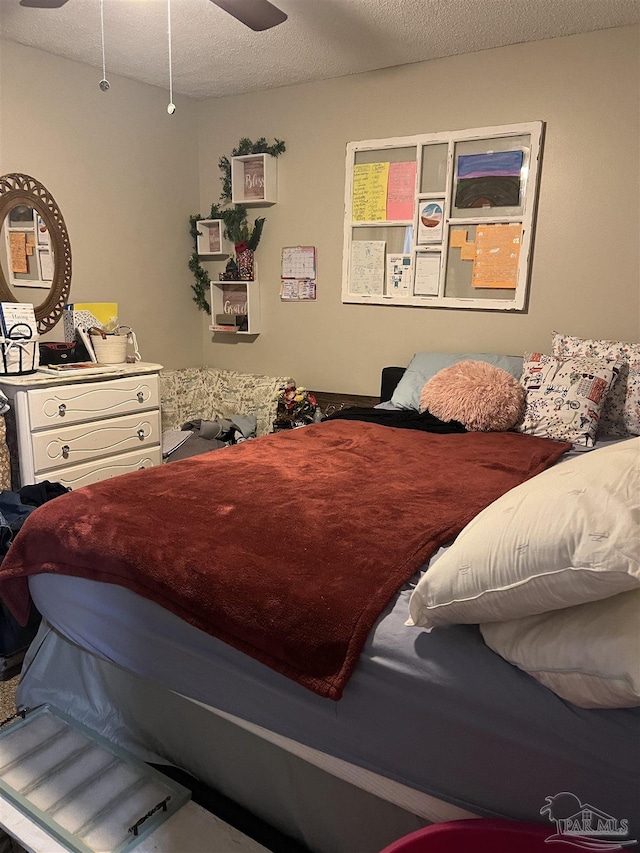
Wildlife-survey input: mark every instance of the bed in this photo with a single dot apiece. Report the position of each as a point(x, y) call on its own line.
point(431, 723)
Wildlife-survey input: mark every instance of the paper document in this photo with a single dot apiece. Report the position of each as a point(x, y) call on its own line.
point(427, 274)
point(367, 266)
point(79, 368)
point(172, 439)
point(399, 274)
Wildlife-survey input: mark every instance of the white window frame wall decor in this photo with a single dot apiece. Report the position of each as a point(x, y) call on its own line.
point(473, 249)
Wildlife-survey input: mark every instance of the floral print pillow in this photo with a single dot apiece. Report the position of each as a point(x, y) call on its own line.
point(621, 414)
point(565, 396)
point(5, 459)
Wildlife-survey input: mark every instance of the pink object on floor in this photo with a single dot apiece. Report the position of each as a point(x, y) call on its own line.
point(476, 836)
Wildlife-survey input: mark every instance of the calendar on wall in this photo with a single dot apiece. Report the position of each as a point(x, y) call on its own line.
point(443, 219)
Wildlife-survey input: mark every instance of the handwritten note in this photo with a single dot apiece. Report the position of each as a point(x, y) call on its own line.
point(367, 266)
point(401, 190)
point(497, 255)
point(18, 248)
point(370, 192)
point(427, 274)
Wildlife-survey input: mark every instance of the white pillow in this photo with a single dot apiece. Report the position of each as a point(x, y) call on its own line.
point(588, 655)
point(567, 536)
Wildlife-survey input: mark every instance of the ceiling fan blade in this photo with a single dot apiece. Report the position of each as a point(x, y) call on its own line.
point(258, 15)
point(43, 4)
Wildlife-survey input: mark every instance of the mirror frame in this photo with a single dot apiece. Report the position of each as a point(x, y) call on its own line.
point(22, 189)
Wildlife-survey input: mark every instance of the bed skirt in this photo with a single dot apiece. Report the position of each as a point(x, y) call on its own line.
point(328, 804)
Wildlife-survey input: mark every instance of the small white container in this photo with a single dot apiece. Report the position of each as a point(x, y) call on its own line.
point(110, 350)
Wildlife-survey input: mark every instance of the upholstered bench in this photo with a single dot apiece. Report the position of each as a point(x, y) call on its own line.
point(208, 393)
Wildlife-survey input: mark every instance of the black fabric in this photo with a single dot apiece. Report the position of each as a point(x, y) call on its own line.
point(389, 381)
point(15, 638)
point(15, 507)
point(40, 493)
point(13, 512)
point(401, 418)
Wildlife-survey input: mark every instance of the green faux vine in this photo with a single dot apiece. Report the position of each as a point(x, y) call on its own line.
point(236, 226)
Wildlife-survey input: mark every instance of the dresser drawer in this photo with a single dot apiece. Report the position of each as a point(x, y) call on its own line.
point(75, 476)
point(88, 401)
point(69, 445)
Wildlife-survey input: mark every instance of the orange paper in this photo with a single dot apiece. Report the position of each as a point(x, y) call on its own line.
point(497, 256)
point(18, 245)
point(458, 237)
point(468, 252)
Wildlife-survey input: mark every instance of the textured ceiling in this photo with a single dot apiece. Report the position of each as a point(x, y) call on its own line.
point(214, 55)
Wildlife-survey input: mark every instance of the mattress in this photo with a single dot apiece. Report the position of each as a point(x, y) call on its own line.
point(438, 713)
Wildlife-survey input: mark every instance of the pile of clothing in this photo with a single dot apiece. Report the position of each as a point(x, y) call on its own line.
point(212, 435)
point(15, 507)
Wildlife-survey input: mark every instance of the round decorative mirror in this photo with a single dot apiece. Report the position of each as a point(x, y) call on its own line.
point(35, 251)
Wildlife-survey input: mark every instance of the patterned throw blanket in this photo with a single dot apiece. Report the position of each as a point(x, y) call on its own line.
point(287, 547)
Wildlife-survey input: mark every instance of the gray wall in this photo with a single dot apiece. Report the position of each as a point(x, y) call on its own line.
point(127, 177)
point(586, 255)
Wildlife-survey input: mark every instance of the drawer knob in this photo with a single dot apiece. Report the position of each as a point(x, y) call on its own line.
point(62, 409)
point(141, 434)
point(65, 451)
point(140, 397)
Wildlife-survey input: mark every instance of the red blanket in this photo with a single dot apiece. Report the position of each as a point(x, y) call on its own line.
point(288, 547)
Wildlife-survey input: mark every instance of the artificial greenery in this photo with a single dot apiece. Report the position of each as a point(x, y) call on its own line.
point(246, 146)
point(236, 225)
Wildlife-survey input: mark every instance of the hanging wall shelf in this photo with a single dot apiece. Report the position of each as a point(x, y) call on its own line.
point(254, 180)
point(235, 307)
point(211, 241)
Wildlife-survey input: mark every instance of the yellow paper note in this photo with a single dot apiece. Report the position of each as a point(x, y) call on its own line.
point(468, 251)
point(31, 243)
point(370, 192)
point(497, 256)
point(458, 237)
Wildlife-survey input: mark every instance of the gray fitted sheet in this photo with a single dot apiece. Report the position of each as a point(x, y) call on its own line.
point(439, 712)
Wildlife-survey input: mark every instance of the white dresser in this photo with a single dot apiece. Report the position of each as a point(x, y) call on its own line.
point(76, 430)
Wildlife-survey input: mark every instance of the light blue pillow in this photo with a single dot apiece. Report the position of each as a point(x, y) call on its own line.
point(424, 365)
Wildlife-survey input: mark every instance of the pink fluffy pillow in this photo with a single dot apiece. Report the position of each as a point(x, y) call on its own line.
point(480, 396)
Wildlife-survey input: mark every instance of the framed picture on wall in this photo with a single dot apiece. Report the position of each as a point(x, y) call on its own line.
point(490, 176)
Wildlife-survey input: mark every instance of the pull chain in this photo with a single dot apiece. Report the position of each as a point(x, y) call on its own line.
point(172, 107)
point(104, 83)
